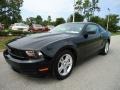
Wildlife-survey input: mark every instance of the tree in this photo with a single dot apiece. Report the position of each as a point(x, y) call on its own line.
point(10, 11)
point(98, 20)
point(49, 20)
point(59, 21)
point(34, 20)
point(95, 6)
point(78, 6)
point(113, 22)
point(45, 23)
point(87, 7)
point(38, 19)
point(78, 18)
point(30, 20)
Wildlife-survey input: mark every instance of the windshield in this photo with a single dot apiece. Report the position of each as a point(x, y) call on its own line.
point(69, 28)
point(20, 24)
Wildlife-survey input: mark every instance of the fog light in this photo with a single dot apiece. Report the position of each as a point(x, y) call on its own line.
point(43, 69)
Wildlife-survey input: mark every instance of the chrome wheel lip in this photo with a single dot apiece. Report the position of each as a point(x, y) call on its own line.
point(65, 64)
point(106, 47)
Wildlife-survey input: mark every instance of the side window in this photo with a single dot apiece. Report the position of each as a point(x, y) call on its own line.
point(92, 28)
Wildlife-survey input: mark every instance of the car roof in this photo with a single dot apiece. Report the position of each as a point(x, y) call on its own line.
point(83, 22)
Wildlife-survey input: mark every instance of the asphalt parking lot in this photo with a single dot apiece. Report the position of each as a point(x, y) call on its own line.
point(97, 73)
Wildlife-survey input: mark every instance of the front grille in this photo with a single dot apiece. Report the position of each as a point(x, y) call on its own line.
point(16, 53)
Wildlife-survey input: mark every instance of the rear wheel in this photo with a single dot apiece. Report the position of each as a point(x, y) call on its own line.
point(105, 50)
point(63, 64)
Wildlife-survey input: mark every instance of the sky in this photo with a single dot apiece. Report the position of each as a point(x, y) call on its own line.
point(62, 8)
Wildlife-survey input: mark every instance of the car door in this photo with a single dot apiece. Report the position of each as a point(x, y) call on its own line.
point(92, 39)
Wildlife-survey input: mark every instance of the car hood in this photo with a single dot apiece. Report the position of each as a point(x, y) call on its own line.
point(38, 41)
point(21, 27)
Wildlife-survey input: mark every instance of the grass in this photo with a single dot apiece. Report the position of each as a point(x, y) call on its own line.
point(115, 33)
point(4, 40)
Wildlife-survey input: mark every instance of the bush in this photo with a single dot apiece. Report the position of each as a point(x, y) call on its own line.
point(13, 33)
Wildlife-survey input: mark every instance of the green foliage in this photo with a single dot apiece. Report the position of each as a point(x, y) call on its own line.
point(10, 11)
point(13, 33)
point(4, 41)
point(113, 22)
point(59, 21)
point(49, 20)
point(38, 19)
point(34, 20)
point(99, 20)
point(45, 23)
point(78, 6)
point(78, 18)
point(87, 7)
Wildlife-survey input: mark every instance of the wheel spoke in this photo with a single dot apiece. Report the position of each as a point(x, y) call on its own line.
point(60, 68)
point(61, 61)
point(69, 63)
point(67, 58)
point(65, 70)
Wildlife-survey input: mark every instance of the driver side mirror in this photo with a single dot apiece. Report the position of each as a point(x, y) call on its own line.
point(89, 33)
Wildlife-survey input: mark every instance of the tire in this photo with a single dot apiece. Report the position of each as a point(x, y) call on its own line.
point(63, 66)
point(105, 49)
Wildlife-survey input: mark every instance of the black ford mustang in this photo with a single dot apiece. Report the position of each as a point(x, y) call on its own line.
point(57, 51)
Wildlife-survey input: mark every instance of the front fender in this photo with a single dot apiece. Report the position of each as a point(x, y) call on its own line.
point(52, 49)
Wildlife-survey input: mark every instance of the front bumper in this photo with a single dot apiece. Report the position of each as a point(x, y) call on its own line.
point(29, 67)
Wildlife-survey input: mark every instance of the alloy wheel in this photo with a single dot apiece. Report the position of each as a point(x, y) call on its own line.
point(65, 64)
point(107, 48)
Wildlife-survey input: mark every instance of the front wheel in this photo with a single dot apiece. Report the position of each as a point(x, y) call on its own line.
point(105, 50)
point(63, 64)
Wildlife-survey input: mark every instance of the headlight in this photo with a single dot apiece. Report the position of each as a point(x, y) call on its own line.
point(39, 53)
point(34, 54)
